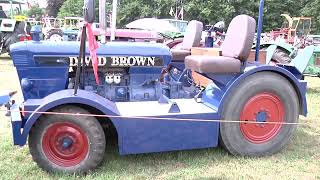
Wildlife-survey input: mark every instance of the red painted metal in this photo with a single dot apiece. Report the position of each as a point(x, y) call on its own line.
point(273, 107)
point(52, 144)
point(26, 37)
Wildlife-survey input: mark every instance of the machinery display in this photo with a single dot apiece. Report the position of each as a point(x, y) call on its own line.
point(293, 29)
point(52, 29)
point(13, 27)
point(145, 94)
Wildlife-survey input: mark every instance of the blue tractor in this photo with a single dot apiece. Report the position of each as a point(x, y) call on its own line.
point(148, 97)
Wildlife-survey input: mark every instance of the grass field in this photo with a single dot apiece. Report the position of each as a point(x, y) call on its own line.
point(299, 160)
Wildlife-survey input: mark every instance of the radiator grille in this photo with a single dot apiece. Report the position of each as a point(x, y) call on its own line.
point(20, 60)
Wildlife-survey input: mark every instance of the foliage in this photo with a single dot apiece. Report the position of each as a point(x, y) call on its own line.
point(54, 6)
point(312, 9)
point(35, 11)
point(74, 8)
point(71, 8)
point(207, 11)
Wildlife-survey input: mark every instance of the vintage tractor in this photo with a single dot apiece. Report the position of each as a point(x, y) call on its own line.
point(52, 29)
point(292, 34)
point(13, 28)
point(146, 95)
point(71, 28)
point(294, 28)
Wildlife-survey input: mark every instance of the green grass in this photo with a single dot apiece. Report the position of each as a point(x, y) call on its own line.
point(299, 160)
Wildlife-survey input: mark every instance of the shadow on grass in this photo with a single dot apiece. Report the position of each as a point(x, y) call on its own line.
point(180, 164)
point(5, 58)
point(313, 90)
point(303, 146)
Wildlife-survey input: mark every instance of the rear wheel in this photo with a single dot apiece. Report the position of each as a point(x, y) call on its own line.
point(72, 144)
point(9, 38)
point(264, 98)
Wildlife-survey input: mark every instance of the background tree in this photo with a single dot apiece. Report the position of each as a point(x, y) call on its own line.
point(35, 11)
point(312, 9)
point(54, 6)
point(71, 8)
point(207, 11)
point(75, 8)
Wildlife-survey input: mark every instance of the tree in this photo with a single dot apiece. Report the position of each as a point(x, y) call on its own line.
point(132, 10)
point(53, 7)
point(312, 9)
point(207, 11)
point(71, 8)
point(35, 11)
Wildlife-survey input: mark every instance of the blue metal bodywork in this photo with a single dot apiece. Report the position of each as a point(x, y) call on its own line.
point(70, 35)
point(40, 74)
point(141, 126)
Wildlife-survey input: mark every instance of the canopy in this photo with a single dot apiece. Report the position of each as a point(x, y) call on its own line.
point(152, 24)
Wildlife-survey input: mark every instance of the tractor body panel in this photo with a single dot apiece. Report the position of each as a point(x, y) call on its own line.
point(44, 68)
point(141, 126)
point(144, 123)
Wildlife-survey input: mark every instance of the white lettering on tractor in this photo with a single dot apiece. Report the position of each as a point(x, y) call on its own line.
point(151, 61)
point(73, 61)
point(115, 61)
point(120, 61)
point(102, 61)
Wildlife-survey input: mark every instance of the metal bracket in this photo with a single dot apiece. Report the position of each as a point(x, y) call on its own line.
point(196, 97)
point(174, 108)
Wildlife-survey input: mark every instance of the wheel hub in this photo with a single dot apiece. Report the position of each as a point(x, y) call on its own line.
point(65, 144)
point(268, 111)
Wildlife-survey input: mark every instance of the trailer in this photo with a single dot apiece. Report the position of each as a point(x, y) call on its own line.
point(146, 94)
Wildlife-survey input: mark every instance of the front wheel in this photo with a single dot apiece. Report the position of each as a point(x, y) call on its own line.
point(267, 98)
point(63, 143)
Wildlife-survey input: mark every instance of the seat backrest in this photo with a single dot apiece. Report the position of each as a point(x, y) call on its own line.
point(239, 38)
point(192, 35)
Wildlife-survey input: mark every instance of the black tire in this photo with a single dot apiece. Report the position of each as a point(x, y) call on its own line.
point(53, 33)
point(281, 56)
point(233, 138)
point(86, 159)
point(9, 38)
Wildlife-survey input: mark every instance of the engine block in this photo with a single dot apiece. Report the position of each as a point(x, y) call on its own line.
point(119, 85)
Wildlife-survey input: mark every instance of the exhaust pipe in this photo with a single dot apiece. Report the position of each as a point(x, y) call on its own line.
point(114, 20)
point(102, 20)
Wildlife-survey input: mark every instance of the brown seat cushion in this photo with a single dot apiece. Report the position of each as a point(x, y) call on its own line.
point(235, 48)
point(213, 64)
point(192, 38)
point(239, 38)
point(178, 55)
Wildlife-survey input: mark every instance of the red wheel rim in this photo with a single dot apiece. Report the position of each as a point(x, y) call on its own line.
point(65, 144)
point(264, 107)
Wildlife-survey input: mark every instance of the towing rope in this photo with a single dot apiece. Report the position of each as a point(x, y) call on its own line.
point(167, 119)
